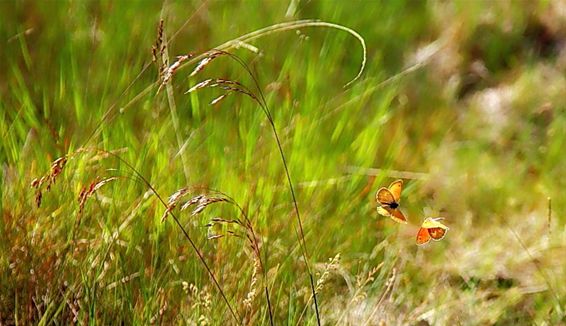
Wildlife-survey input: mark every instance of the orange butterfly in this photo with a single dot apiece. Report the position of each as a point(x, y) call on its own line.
point(389, 199)
point(431, 229)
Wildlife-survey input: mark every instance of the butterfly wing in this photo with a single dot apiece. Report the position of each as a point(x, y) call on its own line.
point(384, 196)
point(389, 197)
point(383, 211)
point(437, 233)
point(435, 229)
point(395, 188)
point(398, 216)
point(423, 237)
point(430, 223)
point(395, 214)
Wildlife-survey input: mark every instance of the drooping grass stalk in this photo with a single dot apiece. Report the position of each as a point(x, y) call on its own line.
point(202, 201)
point(287, 26)
point(262, 102)
point(70, 246)
point(231, 44)
point(185, 233)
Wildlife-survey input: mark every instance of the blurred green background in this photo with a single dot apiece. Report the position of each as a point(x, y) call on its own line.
point(463, 100)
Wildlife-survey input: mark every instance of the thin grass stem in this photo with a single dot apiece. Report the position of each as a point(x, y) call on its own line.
point(234, 314)
point(265, 108)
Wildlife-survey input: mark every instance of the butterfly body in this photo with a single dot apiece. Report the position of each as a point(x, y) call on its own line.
point(388, 199)
point(393, 205)
point(433, 229)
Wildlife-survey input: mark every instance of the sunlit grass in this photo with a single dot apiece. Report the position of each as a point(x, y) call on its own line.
point(475, 127)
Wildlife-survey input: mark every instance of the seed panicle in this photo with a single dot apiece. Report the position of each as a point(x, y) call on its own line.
point(87, 192)
point(48, 179)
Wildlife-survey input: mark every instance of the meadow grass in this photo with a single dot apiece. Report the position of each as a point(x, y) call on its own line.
point(169, 210)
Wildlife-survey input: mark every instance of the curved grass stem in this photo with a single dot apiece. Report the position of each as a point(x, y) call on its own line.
point(234, 314)
point(301, 236)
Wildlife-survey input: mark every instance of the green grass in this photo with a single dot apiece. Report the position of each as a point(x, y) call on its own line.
point(475, 129)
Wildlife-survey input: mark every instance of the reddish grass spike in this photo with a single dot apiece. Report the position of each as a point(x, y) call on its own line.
point(170, 71)
point(38, 196)
point(101, 183)
point(174, 198)
point(157, 47)
point(227, 81)
point(219, 98)
point(34, 183)
point(191, 202)
point(200, 85)
point(82, 198)
point(56, 169)
point(153, 53)
point(198, 210)
point(48, 179)
point(219, 199)
point(60, 161)
point(86, 193)
point(173, 201)
point(200, 66)
point(166, 213)
point(204, 62)
point(204, 202)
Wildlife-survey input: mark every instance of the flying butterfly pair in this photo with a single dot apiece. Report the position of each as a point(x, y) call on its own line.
point(389, 199)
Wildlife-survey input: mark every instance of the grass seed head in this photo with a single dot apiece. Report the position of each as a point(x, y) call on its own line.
point(87, 192)
point(157, 48)
point(173, 201)
point(48, 179)
point(219, 98)
point(252, 293)
point(200, 85)
point(329, 267)
point(206, 61)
